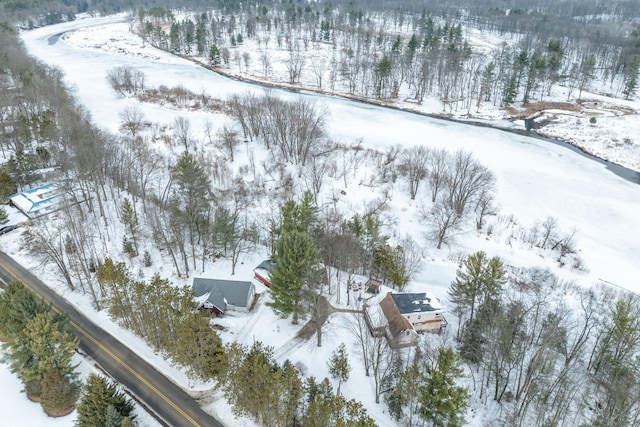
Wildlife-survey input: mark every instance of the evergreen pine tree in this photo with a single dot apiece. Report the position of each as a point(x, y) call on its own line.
point(388, 265)
point(98, 394)
point(480, 281)
point(339, 368)
point(214, 55)
point(403, 398)
point(128, 247)
point(4, 217)
point(320, 404)
point(192, 196)
point(442, 402)
point(295, 255)
point(59, 393)
point(128, 422)
point(44, 345)
point(113, 417)
point(198, 346)
point(129, 218)
point(297, 216)
point(7, 186)
point(17, 306)
point(412, 46)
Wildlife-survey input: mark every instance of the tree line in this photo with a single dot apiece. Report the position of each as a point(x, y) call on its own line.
point(381, 50)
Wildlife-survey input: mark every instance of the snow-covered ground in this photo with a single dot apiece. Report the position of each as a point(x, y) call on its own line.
point(614, 137)
point(18, 411)
point(535, 179)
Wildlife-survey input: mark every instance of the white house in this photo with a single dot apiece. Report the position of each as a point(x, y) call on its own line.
point(46, 198)
point(422, 310)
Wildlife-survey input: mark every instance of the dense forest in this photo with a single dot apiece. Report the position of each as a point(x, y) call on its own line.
point(546, 352)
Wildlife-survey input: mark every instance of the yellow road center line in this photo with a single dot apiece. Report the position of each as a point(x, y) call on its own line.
point(111, 354)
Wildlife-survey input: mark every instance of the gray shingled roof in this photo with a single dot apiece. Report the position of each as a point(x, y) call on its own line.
point(223, 292)
point(267, 264)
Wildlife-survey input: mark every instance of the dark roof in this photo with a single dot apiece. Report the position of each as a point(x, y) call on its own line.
point(397, 322)
point(267, 264)
point(416, 303)
point(223, 292)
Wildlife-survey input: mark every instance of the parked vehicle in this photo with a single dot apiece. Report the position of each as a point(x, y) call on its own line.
point(7, 228)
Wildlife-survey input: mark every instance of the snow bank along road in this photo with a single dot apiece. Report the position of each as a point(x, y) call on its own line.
point(171, 404)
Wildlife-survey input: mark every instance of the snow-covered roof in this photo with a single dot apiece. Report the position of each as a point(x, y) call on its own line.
point(376, 316)
point(267, 265)
point(416, 302)
point(221, 293)
point(40, 200)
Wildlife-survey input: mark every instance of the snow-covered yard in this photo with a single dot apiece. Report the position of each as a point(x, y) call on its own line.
point(535, 180)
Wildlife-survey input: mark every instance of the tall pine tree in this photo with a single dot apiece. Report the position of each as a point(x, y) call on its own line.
point(98, 395)
point(339, 368)
point(441, 401)
point(294, 258)
point(481, 280)
point(59, 393)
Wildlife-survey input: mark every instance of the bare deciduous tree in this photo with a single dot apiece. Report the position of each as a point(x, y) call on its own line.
point(467, 180)
point(413, 166)
point(132, 120)
point(228, 140)
point(294, 63)
point(48, 242)
point(443, 220)
point(438, 167)
point(125, 79)
point(319, 69)
point(265, 60)
point(182, 131)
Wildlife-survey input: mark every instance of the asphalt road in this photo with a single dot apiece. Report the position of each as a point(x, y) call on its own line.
point(164, 398)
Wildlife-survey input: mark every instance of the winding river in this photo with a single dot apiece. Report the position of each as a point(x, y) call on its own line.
point(536, 178)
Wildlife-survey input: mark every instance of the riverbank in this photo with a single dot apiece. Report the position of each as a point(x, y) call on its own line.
point(604, 128)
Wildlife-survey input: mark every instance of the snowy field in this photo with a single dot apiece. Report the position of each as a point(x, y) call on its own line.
point(535, 179)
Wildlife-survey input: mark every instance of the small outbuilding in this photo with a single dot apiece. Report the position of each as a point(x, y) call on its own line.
point(372, 286)
point(219, 296)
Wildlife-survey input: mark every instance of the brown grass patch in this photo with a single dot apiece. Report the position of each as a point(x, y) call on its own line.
point(532, 108)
